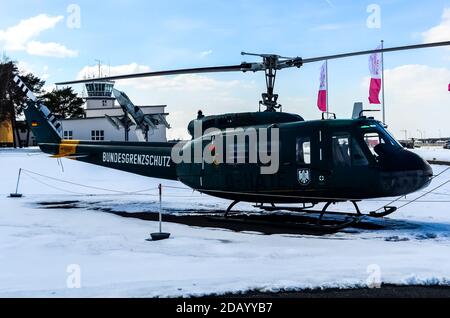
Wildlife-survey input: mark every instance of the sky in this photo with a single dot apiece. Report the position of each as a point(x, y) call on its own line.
point(61, 40)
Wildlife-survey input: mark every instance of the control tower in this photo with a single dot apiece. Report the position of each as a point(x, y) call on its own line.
point(98, 96)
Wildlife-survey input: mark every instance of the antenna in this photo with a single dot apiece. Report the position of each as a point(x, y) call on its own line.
point(99, 62)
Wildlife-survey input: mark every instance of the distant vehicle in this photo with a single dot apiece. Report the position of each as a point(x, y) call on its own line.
point(447, 145)
point(409, 144)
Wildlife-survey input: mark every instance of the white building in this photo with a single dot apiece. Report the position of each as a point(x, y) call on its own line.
point(95, 126)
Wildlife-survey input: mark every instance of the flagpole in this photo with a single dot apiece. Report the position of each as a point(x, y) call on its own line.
point(382, 82)
point(328, 106)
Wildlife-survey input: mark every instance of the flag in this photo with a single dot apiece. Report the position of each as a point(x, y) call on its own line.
point(322, 98)
point(375, 61)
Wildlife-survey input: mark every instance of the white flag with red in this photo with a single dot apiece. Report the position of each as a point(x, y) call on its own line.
point(375, 62)
point(322, 98)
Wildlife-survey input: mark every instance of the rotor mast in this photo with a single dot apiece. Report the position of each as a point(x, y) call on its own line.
point(271, 64)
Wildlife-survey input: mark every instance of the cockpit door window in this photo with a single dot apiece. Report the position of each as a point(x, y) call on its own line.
point(347, 152)
point(341, 150)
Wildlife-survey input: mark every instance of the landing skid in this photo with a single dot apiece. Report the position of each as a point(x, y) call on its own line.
point(313, 224)
point(230, 207)
point(316, 226)
point(387, 210)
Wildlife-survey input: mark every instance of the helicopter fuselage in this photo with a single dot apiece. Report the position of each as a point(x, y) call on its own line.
point(324, 160)
point(317, 161)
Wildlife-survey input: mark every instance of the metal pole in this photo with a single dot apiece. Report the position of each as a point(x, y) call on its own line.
point(160, 235)
point(421, 133)
point(126, 125)
point(17, 194)
point(18, 180)
point(406, 134)
point(326, 74)
point(160, 208)
point(382, 82)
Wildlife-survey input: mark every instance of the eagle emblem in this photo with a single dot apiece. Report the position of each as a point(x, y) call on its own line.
point(304, 176)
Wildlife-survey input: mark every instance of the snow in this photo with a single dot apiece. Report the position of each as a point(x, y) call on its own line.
point(433, 153)
point(38, 246)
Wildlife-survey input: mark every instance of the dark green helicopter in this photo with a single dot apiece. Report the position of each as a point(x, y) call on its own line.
point(321, 161)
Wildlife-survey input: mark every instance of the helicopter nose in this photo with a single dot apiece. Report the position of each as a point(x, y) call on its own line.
point(405, 172)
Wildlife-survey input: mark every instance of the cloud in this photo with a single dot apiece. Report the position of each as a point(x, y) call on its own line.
point(417, 97)
point(50, 49)
point(20, 37)
point(17, 36)
point(24, 67)
point(440, 32)
point(92, 71)
point(39, 71)
point(206, 53)
point(45, 75)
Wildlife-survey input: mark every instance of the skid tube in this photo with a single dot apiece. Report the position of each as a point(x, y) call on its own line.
point(387, 210)
point(319, 227)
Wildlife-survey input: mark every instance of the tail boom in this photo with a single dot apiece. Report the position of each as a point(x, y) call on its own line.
point(146, 159)
point(150, 159)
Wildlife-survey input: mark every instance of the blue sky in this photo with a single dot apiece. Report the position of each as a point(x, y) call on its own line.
point(173, 33)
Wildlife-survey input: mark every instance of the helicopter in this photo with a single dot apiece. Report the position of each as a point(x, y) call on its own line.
point(323, 161)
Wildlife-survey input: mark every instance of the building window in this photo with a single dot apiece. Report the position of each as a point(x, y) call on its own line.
point(68, 134)
point(97, 135)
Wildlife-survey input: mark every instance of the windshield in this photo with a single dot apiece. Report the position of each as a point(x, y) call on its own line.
point(390, 136)
point(375, 135)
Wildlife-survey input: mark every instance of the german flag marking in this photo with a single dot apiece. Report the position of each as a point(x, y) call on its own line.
point(67, 148)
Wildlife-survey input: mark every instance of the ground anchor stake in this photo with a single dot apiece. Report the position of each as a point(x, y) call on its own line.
point(160, 235)
point(17, 194)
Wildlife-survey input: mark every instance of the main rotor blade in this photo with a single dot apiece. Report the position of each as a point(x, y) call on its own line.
point(391, 49)
point(231, 68)
point(244, 67)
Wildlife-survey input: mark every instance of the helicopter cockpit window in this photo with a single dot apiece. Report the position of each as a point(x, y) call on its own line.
point(341, 150)
point(303, 150)
point(372, 140)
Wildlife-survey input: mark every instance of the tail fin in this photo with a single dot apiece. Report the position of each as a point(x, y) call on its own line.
point(41, 121)
point(41, 125)
point(24, 88)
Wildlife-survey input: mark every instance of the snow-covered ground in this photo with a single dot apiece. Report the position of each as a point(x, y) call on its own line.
point(41, 250)
point(434, 153)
